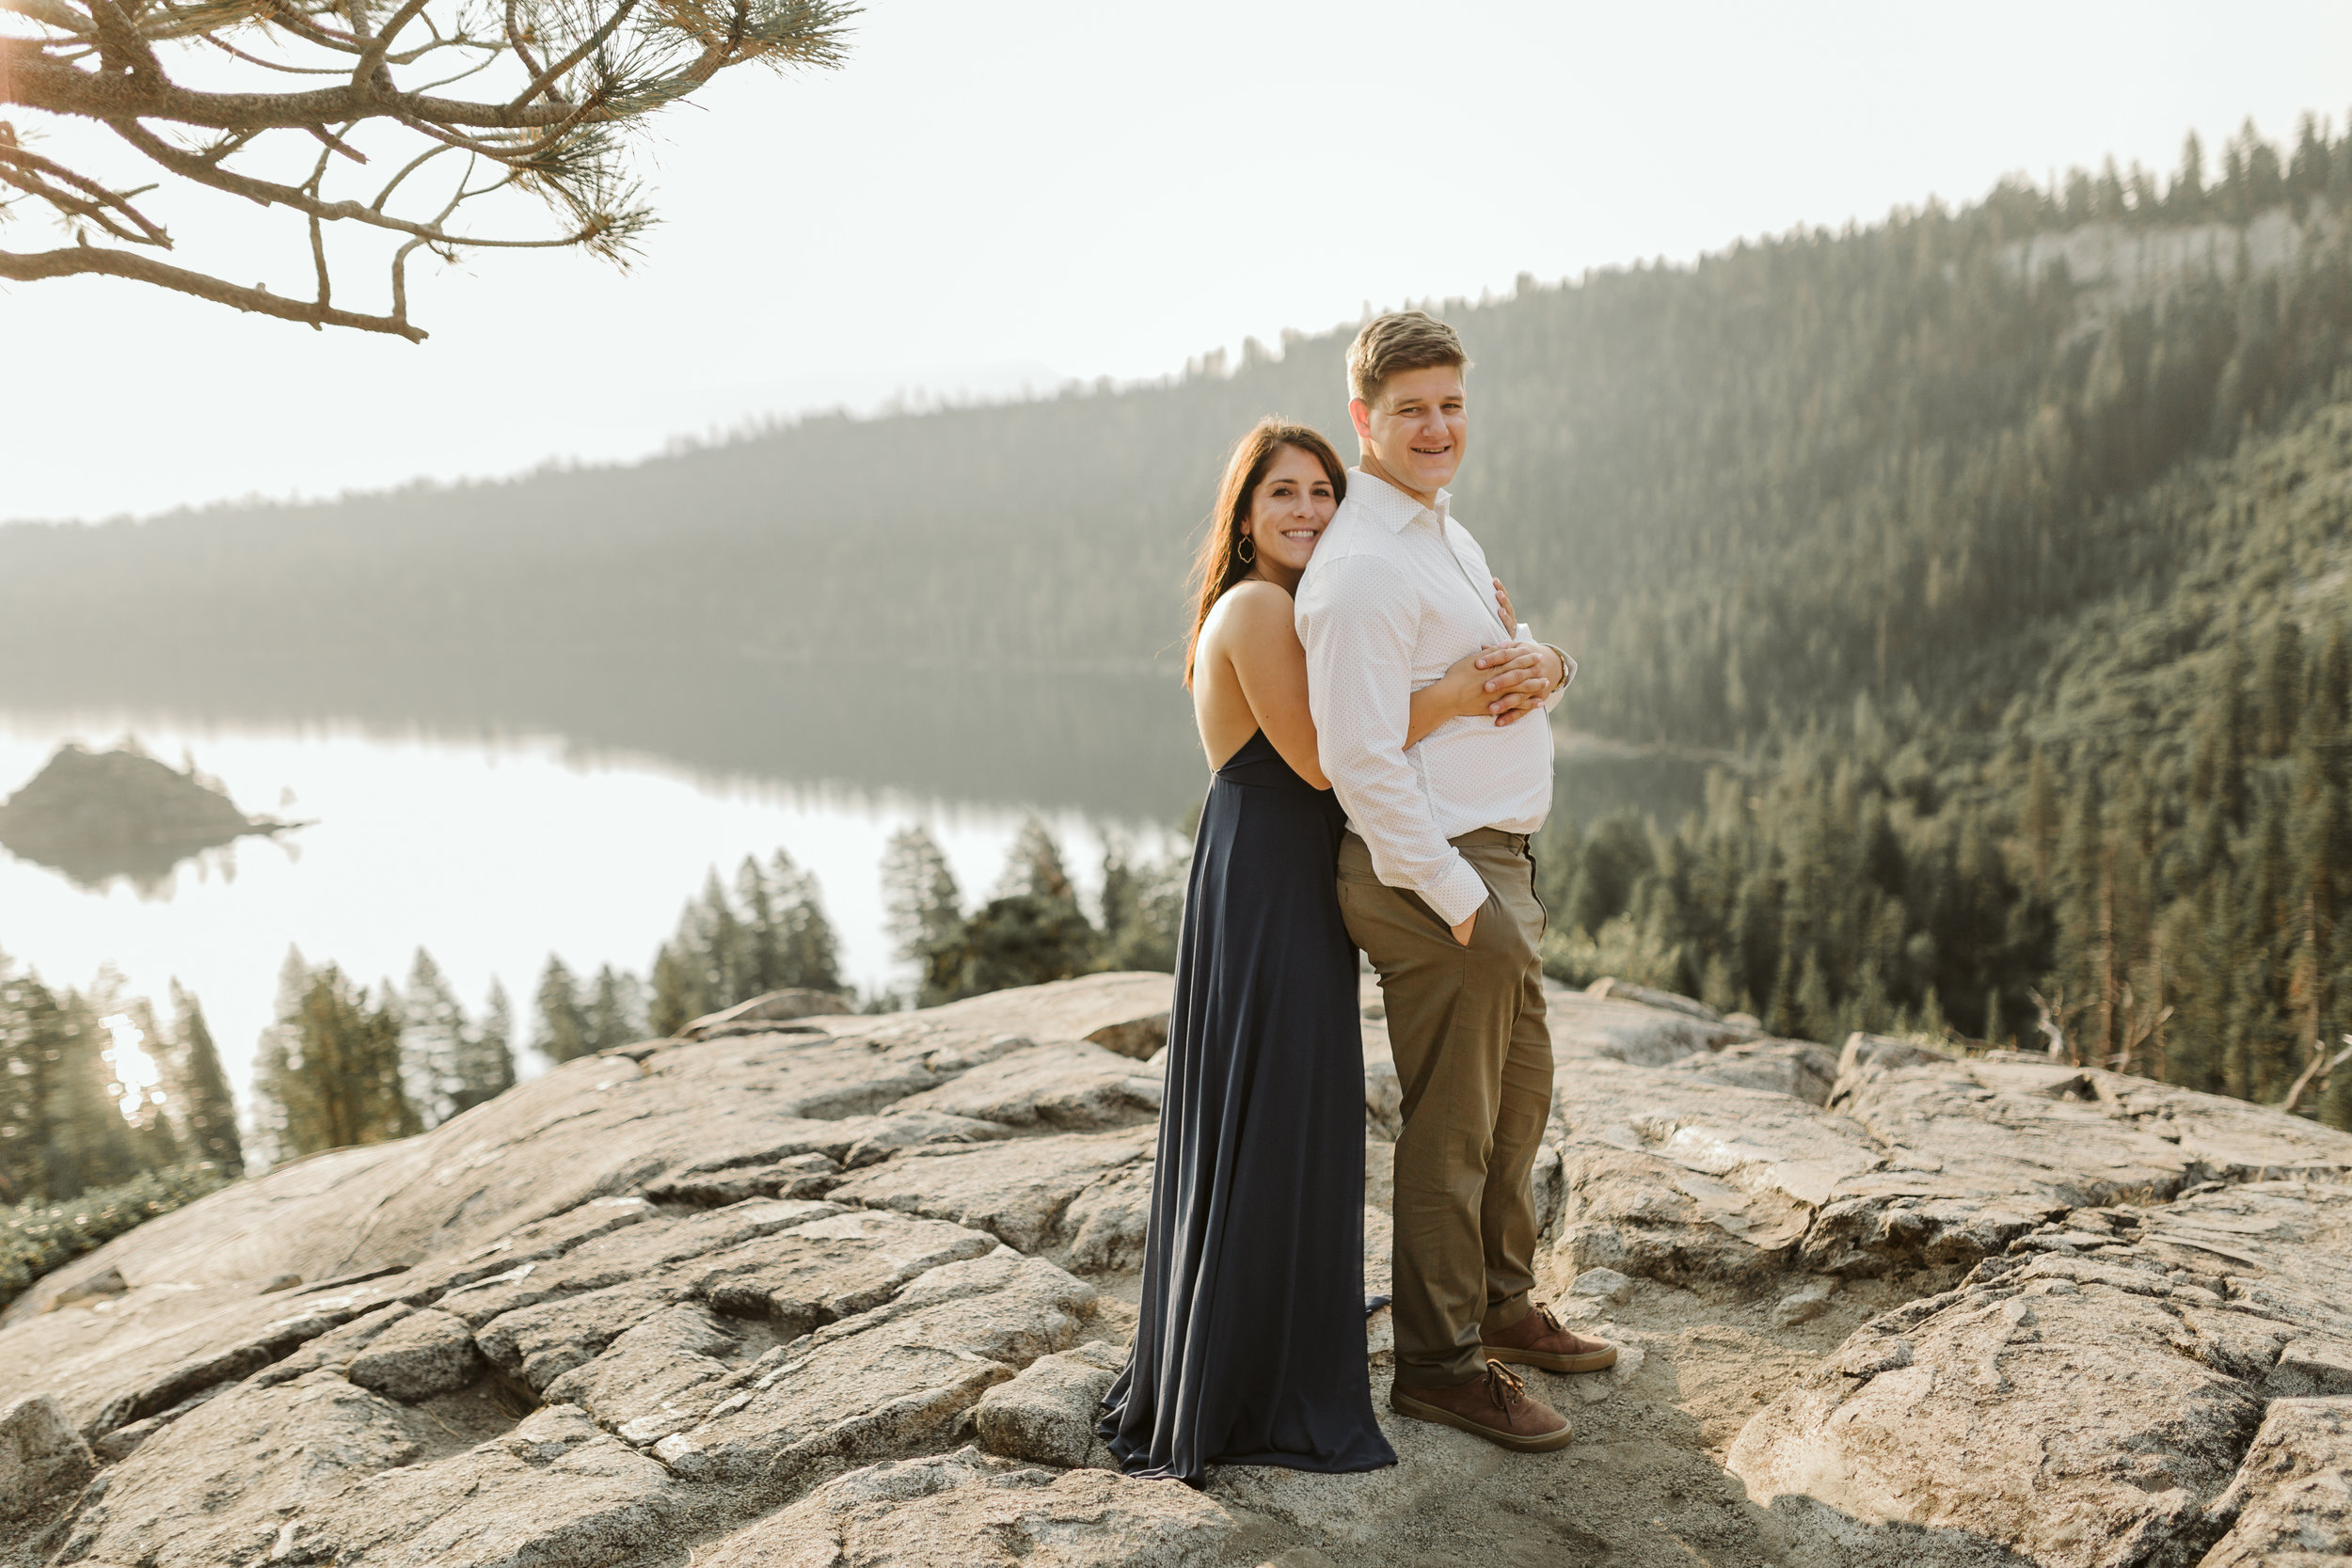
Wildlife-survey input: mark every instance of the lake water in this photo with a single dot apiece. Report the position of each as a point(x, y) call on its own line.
point(498, 812)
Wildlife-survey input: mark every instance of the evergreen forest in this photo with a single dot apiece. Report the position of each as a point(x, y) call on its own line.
point(1998, 557)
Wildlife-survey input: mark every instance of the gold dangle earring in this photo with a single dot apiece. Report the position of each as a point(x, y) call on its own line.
point(1247, 551)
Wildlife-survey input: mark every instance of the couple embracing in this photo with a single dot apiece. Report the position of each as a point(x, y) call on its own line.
point(1376, 722)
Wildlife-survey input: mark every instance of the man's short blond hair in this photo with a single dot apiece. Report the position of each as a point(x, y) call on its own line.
point(1399, 341)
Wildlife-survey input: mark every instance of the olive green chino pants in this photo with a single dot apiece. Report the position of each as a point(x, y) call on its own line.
point(1474, 1060)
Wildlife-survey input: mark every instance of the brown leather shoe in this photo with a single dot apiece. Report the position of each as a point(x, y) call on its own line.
point(1496, 1407)
point(1538, 1341)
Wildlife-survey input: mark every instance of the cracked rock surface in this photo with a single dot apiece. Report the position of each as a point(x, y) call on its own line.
point(839, 1289)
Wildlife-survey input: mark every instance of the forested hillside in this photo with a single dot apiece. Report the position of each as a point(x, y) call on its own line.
point(1801, 467)
point(2003, 545)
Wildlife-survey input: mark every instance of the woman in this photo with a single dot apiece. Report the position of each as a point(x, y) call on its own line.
point(1249, 1342)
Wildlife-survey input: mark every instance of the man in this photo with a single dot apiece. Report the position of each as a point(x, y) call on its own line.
point(1437, 889)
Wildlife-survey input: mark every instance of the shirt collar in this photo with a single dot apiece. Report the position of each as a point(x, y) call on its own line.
point(1392, 507)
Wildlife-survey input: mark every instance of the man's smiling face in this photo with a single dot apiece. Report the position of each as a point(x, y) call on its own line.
point(1417, 428)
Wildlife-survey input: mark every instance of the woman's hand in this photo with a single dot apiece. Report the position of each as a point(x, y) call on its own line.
point(1503, 603)
point(1494, 682)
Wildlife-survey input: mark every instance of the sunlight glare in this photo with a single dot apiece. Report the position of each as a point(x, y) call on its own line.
point(134, 1069)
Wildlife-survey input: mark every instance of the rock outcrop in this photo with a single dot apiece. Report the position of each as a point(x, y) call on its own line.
point(838, 1290)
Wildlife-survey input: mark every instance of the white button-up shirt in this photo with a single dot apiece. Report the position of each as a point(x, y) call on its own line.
point(1394, 594)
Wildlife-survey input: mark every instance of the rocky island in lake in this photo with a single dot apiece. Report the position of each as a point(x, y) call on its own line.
point(96, 815)
point(840, 1290)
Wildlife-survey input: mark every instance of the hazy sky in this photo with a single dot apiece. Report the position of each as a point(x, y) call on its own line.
point(996, 194)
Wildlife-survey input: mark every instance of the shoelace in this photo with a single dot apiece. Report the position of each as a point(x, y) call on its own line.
point(1505, 1387)
point(1577, 1342)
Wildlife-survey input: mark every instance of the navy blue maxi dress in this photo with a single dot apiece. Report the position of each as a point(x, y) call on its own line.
point(1249, 1342)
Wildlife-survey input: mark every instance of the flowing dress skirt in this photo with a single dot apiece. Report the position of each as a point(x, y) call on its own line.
point(1249, 1343)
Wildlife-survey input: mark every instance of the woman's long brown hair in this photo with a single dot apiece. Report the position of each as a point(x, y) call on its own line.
point(1220, 564)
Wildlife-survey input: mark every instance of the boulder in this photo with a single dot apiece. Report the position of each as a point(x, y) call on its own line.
point(892, 1382)
point(1795, 1068)
point(2079, 1400)
point(1679, 1179)
point(424, 1355)
point(1610, 1028)
point(1027, 1193)
point(121, 1442)
point(40, 1455)
point(1808, 1300)
point(1124, 1012)
point(793, 1176)
point(1978, 1152)
point(106, 1283)
point(2291, 1505)
point(1047, 1413)
point(968, 1510)
point(1873, 1054)
point(772, 1008)
point(1075, 1087)
point(1609, 985)
point(1603, 1285)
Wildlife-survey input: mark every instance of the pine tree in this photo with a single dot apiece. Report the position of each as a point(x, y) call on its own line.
point(1033, 867)
point(2322, 862)
point(27, 1065)
point(676, 989)
point(268, 1140)
point(331, 1071)
point(1142, 908)
point(202, 1107)
point(562, 1034)
point(2039, 821)
point(615, 1011)
point(2279, 688)
point(924, 912)
point(1033, 930)
point(485, 1062)
point(432, 1039)
point(89, 1144)
point(793, 939)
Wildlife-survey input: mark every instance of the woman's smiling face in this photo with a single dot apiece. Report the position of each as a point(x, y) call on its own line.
point(1288, 512)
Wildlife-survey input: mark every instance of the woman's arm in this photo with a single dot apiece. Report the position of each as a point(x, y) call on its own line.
point(1258, 632)
point(1463, 692)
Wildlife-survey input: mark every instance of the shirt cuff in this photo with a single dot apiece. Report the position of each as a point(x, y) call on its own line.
point(1458, 893)
point(1568, 678)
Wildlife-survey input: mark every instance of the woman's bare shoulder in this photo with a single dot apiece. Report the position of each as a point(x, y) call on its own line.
point(1255, 603)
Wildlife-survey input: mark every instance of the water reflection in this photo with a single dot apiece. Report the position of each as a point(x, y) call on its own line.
point(1114, 743)
point(1106, 742)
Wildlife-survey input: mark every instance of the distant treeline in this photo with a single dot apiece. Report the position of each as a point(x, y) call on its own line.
point(768, 932)
point(344, 1065)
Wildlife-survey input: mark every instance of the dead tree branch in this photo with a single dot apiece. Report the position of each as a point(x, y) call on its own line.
point(2321, 1063)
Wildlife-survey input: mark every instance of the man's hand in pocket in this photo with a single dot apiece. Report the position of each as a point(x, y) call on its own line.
point(1462, 932)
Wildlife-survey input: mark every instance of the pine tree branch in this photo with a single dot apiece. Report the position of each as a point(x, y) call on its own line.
point(98, 60)
point(97, 261)
point(31, 173)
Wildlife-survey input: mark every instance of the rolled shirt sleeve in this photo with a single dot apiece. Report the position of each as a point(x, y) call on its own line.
point(1358, 618)
point(1567, 667)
